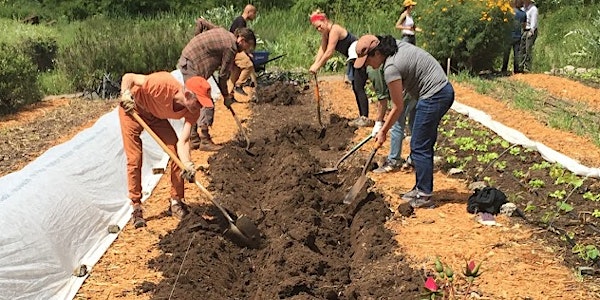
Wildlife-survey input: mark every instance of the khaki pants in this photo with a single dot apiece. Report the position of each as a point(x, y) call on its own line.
point(207, 114)
point(131, 130)
point(243, 68)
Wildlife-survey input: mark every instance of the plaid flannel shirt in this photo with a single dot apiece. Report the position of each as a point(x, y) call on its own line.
point(211, 48)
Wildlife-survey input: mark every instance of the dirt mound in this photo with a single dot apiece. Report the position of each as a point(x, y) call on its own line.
point(313, 247)
point(278, 93)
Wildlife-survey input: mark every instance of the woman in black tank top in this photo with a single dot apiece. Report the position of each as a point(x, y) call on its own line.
point(336, 38)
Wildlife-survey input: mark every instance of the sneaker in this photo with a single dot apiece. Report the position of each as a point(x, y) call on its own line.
point(238, 89)
point(208, 145)
point(137, 217)
point(388, 166)
point(418, 199)
point(361, 121)
point(178, 208)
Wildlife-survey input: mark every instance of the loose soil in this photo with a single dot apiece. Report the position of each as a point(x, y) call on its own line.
point(317, 248)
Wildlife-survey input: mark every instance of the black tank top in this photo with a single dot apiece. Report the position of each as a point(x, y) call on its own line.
point(343, 44)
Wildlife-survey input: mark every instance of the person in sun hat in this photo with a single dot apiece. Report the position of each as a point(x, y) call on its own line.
point(337, 38)
point(406, 23)
point(407, 67)
point(156, 98)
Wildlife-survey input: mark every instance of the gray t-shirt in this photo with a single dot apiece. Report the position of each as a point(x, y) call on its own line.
point(421, 75)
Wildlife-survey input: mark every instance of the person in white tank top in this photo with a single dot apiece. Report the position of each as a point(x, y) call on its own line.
point(406, 23)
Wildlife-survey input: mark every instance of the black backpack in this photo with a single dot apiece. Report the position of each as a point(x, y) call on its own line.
point(487, 200)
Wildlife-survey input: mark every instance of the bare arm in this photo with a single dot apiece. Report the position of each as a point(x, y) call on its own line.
point(400, 21)
point(130, 80)
point(334, 36)
point(183, 144)
point(381, 109)
point(203, 25)
point(396, 93)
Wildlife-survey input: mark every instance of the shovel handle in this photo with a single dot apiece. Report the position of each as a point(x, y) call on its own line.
point(371, 156)
point(240, 127)
point(364, 141)
point(318, 96)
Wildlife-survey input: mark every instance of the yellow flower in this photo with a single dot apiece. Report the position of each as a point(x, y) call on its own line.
point(444, 9)
point(433, 33)
point(505, 20)
point(489, 19)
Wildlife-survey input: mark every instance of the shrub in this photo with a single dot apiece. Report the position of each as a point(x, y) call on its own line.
point(36, 41)
point(17, 79)
point(123, 45)
point(470, 32)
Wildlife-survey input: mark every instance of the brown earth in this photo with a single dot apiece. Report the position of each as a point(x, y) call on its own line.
point(313, 247)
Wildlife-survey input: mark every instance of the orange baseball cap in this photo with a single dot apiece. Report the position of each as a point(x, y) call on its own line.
point(201, 88)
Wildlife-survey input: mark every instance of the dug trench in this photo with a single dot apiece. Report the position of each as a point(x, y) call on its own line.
point(313, 246)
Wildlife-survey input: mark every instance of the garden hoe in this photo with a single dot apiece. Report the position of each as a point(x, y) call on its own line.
point(241, 230)
point(349, 198)
point(337, 165)
point(240, 127)
point(318, 96)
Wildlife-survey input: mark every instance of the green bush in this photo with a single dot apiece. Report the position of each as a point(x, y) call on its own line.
point(472, 33)
point(38, 42)
point(122, 45)
point(18, 84)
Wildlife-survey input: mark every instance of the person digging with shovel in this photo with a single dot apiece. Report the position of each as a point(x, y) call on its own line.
point(155, 98)
point(406, 66)
point(212, 48)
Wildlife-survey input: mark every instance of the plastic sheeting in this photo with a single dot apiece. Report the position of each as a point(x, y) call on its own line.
point(55, 212)
point(516, 137)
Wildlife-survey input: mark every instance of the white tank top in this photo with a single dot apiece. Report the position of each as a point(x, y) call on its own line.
point(408, 22)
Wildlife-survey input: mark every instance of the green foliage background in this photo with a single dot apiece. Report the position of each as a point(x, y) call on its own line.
point(84, 39)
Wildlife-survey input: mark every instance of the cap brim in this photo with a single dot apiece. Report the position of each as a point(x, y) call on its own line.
point(360, 62)
point(205, 101)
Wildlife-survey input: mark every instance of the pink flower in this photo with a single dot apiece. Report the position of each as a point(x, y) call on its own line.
point(431, 285)
point(471, 265)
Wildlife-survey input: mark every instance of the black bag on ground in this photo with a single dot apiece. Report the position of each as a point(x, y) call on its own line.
point(488, 200)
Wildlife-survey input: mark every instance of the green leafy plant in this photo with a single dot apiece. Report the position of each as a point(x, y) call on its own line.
point(465, 143)
point(540, 166)
point(558, 194)
point(530, 207)
point(536, 183)
point(566, 207)
point(586, 252)
point(487, 157)
point(596, 213)
point(519, 174)
point(591, 196)
point(500, 165)
point(515, 151)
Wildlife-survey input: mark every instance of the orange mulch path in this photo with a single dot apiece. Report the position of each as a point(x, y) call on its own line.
point(31, 112)
point(516, 265)
point(562, 88)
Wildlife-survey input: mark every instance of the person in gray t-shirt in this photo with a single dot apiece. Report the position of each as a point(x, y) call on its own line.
point(415, 70)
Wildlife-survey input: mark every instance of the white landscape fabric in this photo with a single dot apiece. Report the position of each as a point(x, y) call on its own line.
point(55, 212)
point(516, 137)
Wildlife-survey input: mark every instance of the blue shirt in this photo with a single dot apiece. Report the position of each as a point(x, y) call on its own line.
point(520, 18)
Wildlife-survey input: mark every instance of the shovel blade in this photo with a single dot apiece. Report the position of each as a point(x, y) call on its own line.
point(355, 190)
point(244, 233)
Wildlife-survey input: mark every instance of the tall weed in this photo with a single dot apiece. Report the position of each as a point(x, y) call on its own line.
point(575, 42)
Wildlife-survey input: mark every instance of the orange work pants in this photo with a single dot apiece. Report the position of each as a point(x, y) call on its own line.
point(131, 130)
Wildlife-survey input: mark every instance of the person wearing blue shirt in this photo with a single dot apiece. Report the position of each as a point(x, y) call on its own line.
point(519, 23)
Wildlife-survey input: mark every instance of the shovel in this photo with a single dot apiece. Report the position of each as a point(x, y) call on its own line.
point(337, 165)
point(349, 198)
point(318, 96)
point(240, 127)
point(242, 230)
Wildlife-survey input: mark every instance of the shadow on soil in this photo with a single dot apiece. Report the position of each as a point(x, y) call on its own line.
point(313, 246)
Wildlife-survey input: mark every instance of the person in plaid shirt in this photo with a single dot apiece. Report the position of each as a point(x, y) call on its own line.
point(213, 48)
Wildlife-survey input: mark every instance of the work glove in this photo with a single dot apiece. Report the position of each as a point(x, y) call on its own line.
point(228, 101)
point(127, 101)
point(376, 128)
point(189, 172)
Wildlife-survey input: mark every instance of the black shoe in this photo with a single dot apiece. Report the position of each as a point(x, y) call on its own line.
point(240, 90)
